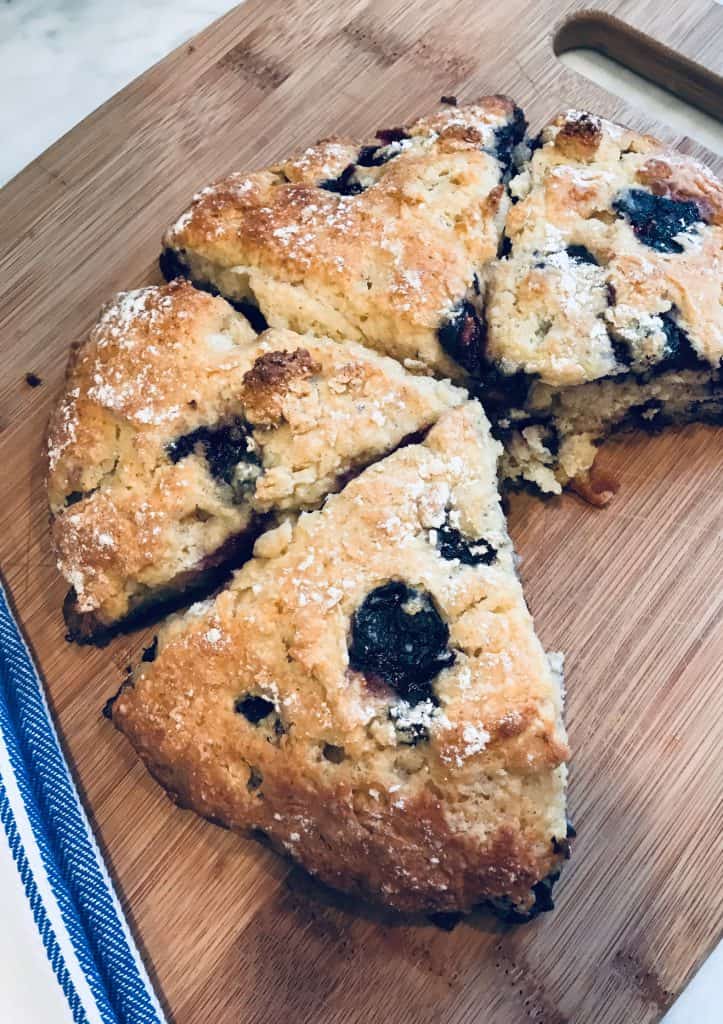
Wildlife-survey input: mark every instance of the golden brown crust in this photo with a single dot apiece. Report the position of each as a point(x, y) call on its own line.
point(386, 265)
point(468, 812)
point(137, 508)
point(578, 138)
point(272, 376)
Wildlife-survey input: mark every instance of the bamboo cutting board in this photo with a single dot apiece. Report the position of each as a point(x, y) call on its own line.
point(632, 593)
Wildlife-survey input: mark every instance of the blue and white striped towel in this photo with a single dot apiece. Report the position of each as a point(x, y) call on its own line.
point(71, 896)
point(75, 908)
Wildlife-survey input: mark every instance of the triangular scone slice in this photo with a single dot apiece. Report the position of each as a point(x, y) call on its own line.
point(385, 243)
point(606, 312)
point(180, 429)
point(369, 691)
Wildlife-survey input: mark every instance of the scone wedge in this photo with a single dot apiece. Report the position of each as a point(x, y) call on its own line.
point(182, 432)
point(385, 242)
point(369, 692)
point(605, 312)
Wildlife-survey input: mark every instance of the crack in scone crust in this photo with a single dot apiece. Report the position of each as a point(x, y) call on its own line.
point(377, 242)
point(181, 431)
point(606, 310)
point(281, 706)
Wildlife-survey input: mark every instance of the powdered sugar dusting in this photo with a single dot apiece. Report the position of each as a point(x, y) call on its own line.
point(476, 739)
point(133, 361)
point(408, 717)
point(238, 185)
point(213, 636)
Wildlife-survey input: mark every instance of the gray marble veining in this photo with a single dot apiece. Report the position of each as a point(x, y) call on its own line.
point(60, 59)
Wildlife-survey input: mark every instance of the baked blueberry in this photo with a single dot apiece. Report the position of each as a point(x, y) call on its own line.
point(373, 156)
point(500, 392)
point(507, 910)
point(535, 143)
point(453, 544)
point(656, 220)
point(679, 352)
point(224, 447)
point(149, 653)
point(508, 136)
point(562, 846)
point(388, 135)
point(462, 336)
point(343, 185)
point(399, 638)
point(253, 708)
point(334, 753)
point(171, 264)
point(581, 254)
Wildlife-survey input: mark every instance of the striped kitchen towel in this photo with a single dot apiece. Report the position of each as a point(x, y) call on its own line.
point(71, 895)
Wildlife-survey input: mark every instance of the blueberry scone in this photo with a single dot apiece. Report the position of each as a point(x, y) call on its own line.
point(181, 431)
point(386, 243)
point(369, 692)
point(606, 310)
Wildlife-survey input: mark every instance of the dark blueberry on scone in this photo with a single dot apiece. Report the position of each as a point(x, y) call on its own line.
point(346, 184)
point(373, 156)
point(657, 220)
point(181, 431)
point(230, 451)
point(399, 639)
point(254, 708)
point(428, 791)
point(462, 336)
point(607, 298)
point(508, 137)
point(541, 902)
point(149, 653)
point(453, 544)
point(172, 266)
point(581, 254)
point(378, 242)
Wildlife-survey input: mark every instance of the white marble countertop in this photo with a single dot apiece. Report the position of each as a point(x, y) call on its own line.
point(60, 59)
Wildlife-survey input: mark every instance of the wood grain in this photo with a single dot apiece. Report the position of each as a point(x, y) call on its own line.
point(631, 593)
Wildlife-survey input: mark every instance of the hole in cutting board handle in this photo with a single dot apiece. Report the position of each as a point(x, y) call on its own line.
point(616, 56)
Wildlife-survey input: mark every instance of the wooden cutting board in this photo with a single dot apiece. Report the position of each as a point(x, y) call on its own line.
point(632, 593)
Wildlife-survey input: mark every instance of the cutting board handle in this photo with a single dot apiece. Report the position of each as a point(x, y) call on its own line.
point(665, 67)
